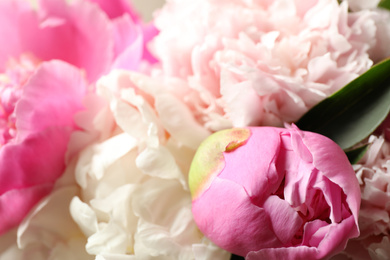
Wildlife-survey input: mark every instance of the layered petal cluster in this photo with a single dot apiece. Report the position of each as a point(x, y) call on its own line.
point(50, 54)
point(265, 62)
point(33, 156)
point(373, 173)
point(274, 193)
point(135, 202)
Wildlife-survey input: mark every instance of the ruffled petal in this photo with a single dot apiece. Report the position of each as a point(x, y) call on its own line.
point(59, 89)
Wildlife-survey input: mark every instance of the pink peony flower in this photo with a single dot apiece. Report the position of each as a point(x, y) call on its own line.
point(35, 134)
point(264, 62)
point(273, 193)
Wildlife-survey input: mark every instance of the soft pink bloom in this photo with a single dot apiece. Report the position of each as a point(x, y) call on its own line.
point(274, 193)
point(373, 173)
point(264, 62)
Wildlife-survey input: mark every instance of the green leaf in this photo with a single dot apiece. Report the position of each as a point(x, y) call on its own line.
point(384, 4)
point(356, 154)
point(354, 112)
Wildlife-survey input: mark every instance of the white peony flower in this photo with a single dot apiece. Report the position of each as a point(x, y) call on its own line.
point(135, 202)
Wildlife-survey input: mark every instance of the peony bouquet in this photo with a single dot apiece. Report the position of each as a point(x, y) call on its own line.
point(221, 129)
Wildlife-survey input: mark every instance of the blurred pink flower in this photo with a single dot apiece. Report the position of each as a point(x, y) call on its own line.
point(78, 32)
point(49, 54)
point(32, 156)
point(274, 193)
point(264, 62)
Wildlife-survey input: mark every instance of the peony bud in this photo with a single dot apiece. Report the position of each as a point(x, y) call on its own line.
point(274, 193)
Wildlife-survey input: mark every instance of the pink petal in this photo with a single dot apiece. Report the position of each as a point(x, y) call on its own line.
point(324, 151)
point(122, 9)
point(58, 88)
point(28, 171)
point(230, 203)
point(293, 160)
point(77, 32)
point(15, 204)
point(116, 8)
point(87, 31)
point(312, 236)
point(334, 241)
point(10, 44)
point(281, 213)
point(44, 119)
point(260, 179)
point(128, 43)
point(38, 159)
point(149, 32)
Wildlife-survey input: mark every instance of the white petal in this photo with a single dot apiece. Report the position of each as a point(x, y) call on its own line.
point(117, 206)
point(110, 238)
point(159, 162)
point(84, 216)
point(96, 159)
point(179, 121)
point(43, 221)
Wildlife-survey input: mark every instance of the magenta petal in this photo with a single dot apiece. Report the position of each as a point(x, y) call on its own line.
point(77, 32)
point(28, 171)
point(58, 88)
point(219, 211)
point(15, 204)
point(149, 32)
point(44, 122)
point(38, 159)
point(128, 43)
point(116, 8)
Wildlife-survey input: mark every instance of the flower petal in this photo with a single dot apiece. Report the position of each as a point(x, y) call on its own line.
point(59, 89)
